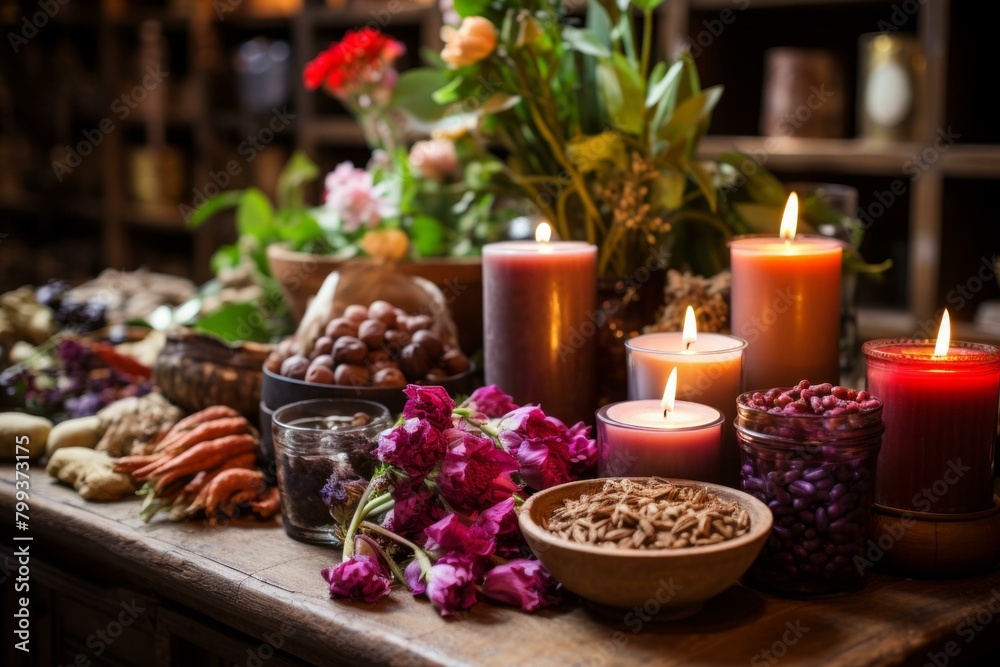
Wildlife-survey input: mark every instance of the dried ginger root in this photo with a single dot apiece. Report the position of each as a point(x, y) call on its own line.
point(90, 473)
point(134, 425)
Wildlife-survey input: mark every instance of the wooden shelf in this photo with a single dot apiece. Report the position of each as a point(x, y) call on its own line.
point(881, 323)
point(163, 217)
point(711, 5)
point(840, 155)
point(341, 131)
point(357, 14)
point(972, 161)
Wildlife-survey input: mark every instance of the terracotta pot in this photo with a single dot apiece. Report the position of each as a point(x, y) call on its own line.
point(459, 279)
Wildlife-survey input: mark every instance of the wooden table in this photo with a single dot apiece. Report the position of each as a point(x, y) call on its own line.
point(251, 578)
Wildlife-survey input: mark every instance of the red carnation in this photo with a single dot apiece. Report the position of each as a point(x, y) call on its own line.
point(361, 58)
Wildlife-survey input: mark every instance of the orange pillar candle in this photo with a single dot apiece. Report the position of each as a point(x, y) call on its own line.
point(786, 305)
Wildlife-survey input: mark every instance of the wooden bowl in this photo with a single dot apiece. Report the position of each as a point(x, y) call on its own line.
point(935, 545)
point(679, 580)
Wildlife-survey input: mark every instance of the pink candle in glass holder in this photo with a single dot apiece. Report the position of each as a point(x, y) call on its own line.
point(940, 412)
point(665, 437)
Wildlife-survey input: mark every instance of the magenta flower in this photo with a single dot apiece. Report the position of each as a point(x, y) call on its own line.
point(523, 583)
point(475, 474)
point(548, 452)
point(452, 534)
point(491, 401)
point(500, 521)
point(415, 577)
point(451, 584)
point(429, 403)
point(414, 447)
point(359, 577)
point(415, 508)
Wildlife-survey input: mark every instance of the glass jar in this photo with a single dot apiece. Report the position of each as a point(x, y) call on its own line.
point(314, 440)
point(817, 474)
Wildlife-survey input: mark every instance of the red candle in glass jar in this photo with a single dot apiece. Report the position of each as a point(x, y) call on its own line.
point(940, 412)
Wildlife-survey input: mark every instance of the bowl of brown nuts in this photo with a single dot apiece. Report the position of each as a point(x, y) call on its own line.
point(370, 353)
point(631, 541)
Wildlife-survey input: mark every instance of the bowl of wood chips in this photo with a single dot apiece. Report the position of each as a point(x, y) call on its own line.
point(648, 542)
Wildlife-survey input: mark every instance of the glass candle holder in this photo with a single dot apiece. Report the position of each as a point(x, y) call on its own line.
point(313, 440)
point(634, 439)
point(940, 424)
point(817, 474)
point(710, 371)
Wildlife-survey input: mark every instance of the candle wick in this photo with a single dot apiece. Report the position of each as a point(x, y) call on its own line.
point(687, 346)
point(666, 414)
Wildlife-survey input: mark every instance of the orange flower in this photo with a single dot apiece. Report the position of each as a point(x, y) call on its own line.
point(474, 39)
point(385, 243)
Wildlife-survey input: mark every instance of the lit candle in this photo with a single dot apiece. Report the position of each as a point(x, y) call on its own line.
point(709, 371)
point(786, 305)
point(662, 437)
point(940, 417)
point(538, 304)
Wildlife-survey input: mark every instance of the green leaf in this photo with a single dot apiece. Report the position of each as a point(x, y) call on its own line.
point(427, 235)
point(766, 219)
point(623, 92)
point(414, 92)
point(298, 229)
point(235, 322)
point(299, 171)
point(213, 206)
point(689, 114)
point(668, 188)
point(598, 152)
point(664, 90)
point(254, 216)
point(623, 32)
point(471, 7)
point(225, 257)
point(647, 5)
point(450, 92)
point(586, 42)
point(761, 185)
point(599, 23)
point(700, 175)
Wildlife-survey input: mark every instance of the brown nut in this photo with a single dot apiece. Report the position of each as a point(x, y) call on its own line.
point(389, 377)
point(396, 340)
point(356, 313)
point(417, 323)
point(287, 347)
point(430, 342)
point(295, 367)
point(414, 362)
point(455, 362)
point(377, 356)
point(341, 326)
point(349, 350)
point(323, 360)
point(383, 311)
point(353, 375)
point(372, 332)
point(437, 375)
point(274, 361)
point(319, 373)
point(323, 345)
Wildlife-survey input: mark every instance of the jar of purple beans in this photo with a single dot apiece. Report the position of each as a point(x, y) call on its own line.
point(809, 453)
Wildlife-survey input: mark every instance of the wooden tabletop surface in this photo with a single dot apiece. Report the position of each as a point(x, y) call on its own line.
point(254, 578)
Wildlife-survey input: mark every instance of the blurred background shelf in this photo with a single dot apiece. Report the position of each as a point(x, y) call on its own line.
point(939, 227)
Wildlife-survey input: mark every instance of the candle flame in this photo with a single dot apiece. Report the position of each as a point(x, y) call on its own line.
point(944, 336)
point(668, 394)
point(790, 218)
point(690, 334)
point(543, 233)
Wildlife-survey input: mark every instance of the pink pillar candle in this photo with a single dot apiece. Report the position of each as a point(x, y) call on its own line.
point(709, 371)
point(538, 301)
point(940, 415)
point(635, 439)
point(786, 305)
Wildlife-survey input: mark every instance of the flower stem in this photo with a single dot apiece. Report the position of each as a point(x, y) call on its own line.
point(359, 515)
point(420, 554)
